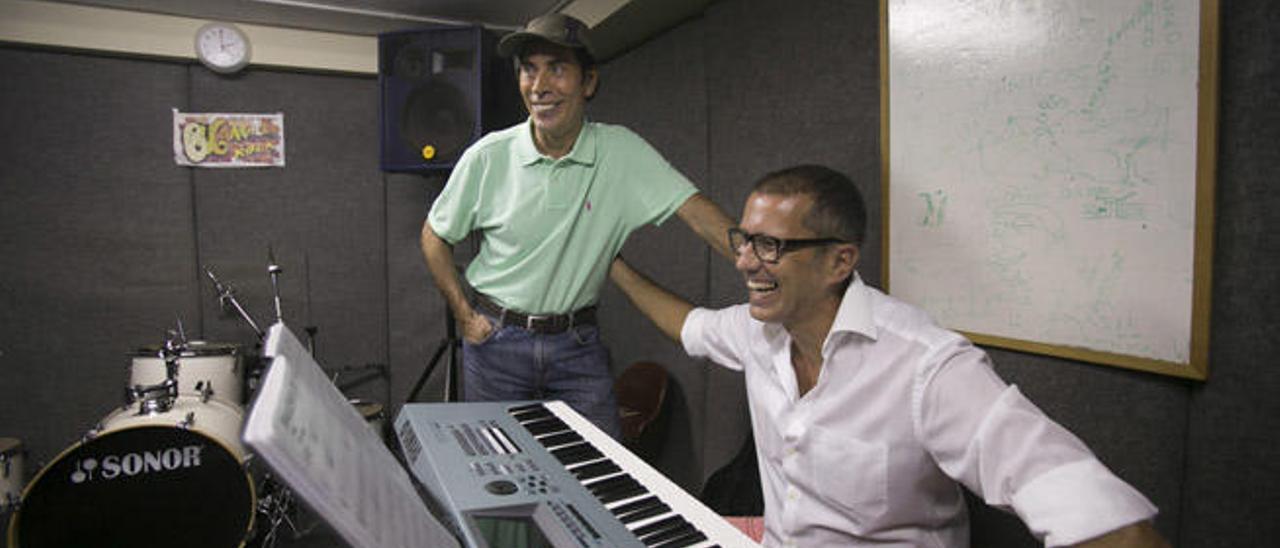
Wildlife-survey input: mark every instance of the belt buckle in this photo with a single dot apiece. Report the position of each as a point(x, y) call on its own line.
point(531, 318)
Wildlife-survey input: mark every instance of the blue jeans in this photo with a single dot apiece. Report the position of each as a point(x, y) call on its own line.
point(517, 364)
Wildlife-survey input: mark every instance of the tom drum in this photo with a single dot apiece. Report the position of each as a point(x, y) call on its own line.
point(218, 366)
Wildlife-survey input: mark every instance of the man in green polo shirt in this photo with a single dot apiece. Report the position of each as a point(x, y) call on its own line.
point(554, 199)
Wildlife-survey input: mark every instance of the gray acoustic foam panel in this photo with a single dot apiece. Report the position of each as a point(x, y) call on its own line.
point(1233, 460)
point(96, 234)
point(323, 216)
point(667, 108)
point(786, 87)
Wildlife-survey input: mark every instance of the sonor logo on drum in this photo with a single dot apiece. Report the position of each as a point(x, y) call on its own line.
point(133, 464)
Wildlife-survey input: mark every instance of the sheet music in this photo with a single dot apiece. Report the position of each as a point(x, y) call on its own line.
point(319, 445)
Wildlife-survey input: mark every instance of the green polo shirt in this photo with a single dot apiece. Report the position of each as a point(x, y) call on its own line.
point(552, 226)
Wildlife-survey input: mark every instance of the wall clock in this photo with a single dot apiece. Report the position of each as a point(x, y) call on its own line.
point(222, 47)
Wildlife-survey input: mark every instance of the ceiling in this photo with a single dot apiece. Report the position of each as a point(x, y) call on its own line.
point(618, 25)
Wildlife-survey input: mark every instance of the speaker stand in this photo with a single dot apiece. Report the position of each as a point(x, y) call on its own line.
point(451, 344)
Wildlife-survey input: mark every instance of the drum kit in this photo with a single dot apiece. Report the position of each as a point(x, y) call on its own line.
point(165, 469)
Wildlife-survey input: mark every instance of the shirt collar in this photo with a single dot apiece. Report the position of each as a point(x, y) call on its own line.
point(583, 152)
point(854, 314)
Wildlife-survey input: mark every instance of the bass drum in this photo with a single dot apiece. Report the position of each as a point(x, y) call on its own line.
point(174, 478)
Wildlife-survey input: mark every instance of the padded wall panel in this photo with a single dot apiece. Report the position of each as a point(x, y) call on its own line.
point(786, 87)
point(1233, 464)
point(794, 86)
point(416, 309)
point(95, 235)
point(666, 107)
point(323, 215)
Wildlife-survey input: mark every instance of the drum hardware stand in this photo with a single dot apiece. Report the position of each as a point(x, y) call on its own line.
point(274, 270)
point(226, 296)
point(311, 338)
point(205, 389)
point(277, 507)
point(159, 398)
point(453, 345)
point(379, 370)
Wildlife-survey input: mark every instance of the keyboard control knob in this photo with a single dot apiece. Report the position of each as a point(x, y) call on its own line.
point(500, 487)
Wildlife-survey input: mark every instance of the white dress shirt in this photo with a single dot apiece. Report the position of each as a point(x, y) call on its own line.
point(903, 410)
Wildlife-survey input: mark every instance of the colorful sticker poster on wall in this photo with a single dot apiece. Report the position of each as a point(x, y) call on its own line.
point(228, 140)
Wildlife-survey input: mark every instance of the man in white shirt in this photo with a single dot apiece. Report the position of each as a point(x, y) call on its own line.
point(868, 416)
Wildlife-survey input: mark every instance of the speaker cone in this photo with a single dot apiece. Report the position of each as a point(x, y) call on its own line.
point(437, 115)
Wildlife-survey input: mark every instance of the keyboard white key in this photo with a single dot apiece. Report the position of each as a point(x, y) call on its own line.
point(653, 507)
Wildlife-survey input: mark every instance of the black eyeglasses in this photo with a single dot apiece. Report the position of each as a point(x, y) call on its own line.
point(769, 249)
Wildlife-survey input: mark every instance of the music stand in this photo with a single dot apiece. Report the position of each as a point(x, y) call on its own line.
point(452, 344)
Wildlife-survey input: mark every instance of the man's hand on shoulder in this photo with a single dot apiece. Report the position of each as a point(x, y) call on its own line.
point(708, 221)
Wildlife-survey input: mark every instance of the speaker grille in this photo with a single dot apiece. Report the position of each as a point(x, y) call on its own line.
point(440, 91)
point(437, 115)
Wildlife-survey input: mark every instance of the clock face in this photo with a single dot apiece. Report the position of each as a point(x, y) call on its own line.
point(222, 47)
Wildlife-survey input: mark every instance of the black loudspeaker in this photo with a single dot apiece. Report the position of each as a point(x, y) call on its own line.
point(442, 88)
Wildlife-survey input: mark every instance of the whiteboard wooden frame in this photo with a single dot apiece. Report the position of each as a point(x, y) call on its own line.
point(1197, 365)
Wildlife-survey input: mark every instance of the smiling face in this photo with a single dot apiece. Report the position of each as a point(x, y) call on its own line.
point(555, 91)
point(802, 288)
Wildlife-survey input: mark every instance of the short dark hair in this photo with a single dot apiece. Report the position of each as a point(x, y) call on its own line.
point(838, 208)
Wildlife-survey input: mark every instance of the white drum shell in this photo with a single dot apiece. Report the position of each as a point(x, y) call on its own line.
point(12, 471)
point(373, 414)
point(216, 419)
point(213, 500)
point(217, 365)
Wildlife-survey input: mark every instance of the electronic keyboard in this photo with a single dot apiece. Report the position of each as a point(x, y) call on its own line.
point(538, 474)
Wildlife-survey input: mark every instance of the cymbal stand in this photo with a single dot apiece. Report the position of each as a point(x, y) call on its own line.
point(226, 296)
point(274, 270)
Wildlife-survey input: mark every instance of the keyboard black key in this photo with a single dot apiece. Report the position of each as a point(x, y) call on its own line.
point(643, 513)
point(608, 483)
point(546, 426)
point(578, 452)
point(662, 524)
point(619, 490)
point(636, 505)
point(622, 494)
point(687, 539)
point(563, 438)
point(668, 534)
point(595, 470)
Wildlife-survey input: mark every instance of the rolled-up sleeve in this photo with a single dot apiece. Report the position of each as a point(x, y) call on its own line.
point(706, 334)
point(988, 436)
point(1079, 501)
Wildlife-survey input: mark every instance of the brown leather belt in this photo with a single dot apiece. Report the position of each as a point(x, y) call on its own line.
point(538, 323)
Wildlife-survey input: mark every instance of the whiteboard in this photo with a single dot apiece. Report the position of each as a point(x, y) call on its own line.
point(1049, 173)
